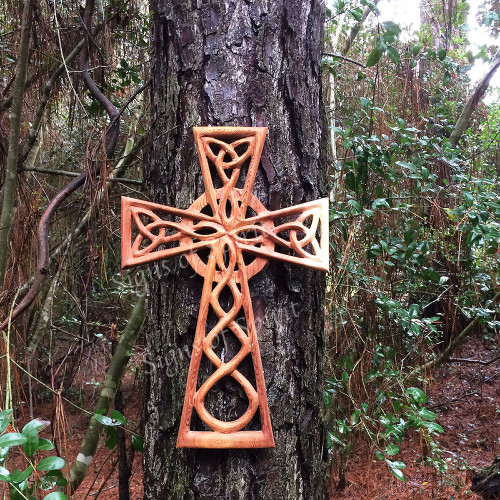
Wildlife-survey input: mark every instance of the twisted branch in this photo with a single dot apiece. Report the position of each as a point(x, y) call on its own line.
point(111, 138)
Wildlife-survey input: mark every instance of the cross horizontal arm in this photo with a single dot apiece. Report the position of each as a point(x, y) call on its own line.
point(307, 241)
point(191, 231)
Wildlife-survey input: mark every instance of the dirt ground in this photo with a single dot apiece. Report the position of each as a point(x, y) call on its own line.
point(466, 397)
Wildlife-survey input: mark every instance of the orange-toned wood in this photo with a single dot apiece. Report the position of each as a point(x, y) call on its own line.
point(229, 233)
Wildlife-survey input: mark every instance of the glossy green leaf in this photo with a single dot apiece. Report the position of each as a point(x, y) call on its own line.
point(19, 476)
point(399, 474)
point(5, 419)
point(30, 432)
point(105, 420)
point(138, 442)
point(4, 474)
point(433, 427)
point(417, 394)
point(393, 55)
point(11, 439)
point(391, 449)
point(56, 495)
point(45, 444)
point(51, 463)
point(356, 207)
point(374, 57)
point(392, 27)
point(427, 414)
point(119, 417)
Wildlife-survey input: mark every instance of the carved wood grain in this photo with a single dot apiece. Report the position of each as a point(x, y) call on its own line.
point(225, 234)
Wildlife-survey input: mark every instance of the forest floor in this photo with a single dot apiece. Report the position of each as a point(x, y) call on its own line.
point(466, 397)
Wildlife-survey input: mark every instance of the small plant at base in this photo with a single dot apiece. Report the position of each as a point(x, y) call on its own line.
point(44, 474)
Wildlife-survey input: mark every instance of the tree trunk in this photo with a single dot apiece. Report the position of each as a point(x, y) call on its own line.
point(240, 64)
point(9, 190)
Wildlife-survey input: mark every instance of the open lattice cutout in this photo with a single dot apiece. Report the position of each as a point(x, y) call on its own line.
point(240, 235)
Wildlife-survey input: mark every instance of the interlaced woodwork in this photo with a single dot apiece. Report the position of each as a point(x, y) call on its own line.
point(229, 222)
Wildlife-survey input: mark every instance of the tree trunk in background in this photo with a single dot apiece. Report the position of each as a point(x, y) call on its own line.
point(241, 64)
point(9, 190)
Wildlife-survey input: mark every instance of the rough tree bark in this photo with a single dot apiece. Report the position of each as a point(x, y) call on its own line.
point(242, 64)
point(9, 190)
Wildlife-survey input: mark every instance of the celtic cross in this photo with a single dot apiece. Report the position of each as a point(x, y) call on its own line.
point(231, 225)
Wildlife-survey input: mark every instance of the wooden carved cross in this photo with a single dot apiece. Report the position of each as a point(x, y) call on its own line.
point(231, 224)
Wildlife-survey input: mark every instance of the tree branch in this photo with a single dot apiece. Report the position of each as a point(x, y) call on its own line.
point(114, 374)
point(439, 360)
point(348, 59)
point(473, 101)
point(35, 127)
point(68, 173)
point(356, 29)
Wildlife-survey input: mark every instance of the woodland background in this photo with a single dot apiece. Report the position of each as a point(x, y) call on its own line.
point(411, 396)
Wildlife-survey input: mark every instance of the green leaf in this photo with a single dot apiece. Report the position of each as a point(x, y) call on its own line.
point(447, 78)
point(379, 455)
point(4, 474)
point(51, 463)
point(365, 102)
point(346, 363)
point(489, 17)
point(350, 181)
point(415, 328)
point(5, 419)
point(357, 14)
point(138, 442)
point(433, 427)
point(413, 63)
point(380, 202)
point(11, 439)
point(417, 394)
point(393, 54)
point(116, 415)
point(416, 48)
point(397, 464)
point(356, 207)
point(427, 414)
point(399, 474)
point(374, 57)
point(425, 173)
point(104, 420)
point(112, 438)
point(391, 449)
point(392, 27)
point(347, 144)
point(441, 54)
point(407, 165)
point(18, 476)
point(56, 495)
point(58, 475)
point(30, 432)
point(45, 444)
point(409, 236)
